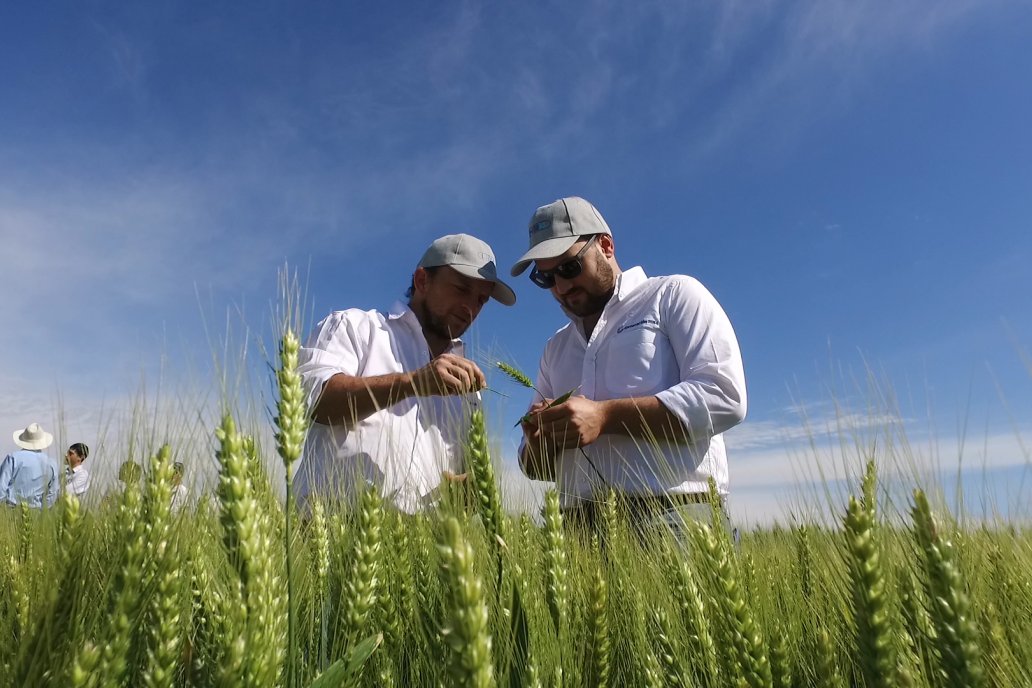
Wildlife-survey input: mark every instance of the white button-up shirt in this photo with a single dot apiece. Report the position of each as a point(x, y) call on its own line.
point(661, 336)
point(78, 481)
point(401, 449)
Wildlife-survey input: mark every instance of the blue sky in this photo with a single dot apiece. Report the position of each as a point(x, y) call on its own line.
point(852, 180)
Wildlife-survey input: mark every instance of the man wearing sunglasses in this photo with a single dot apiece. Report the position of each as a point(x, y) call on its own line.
point(390, 393)
point(655, 368)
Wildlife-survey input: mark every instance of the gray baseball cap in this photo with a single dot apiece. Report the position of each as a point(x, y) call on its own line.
point(471, 257)
point(556, 227)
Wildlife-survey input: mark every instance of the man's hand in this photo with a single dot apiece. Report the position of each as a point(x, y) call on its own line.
point(447, 375)
point(574, 423)
point(530, 425)
point(448, 476)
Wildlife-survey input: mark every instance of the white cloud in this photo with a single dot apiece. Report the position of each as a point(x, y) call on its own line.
point(817, 56)
point(777, 469)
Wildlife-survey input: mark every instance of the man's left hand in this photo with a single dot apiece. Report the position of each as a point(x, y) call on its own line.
point(574, 423)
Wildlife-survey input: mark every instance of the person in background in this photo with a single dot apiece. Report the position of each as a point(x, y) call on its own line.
point(77, 479)
point(388, 390)
point(130, 472)
point(657, 374)
point(180, 495)
point(29, 476)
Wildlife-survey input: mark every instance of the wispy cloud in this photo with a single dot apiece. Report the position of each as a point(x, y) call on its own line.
point(780, 468)
point(801, 59)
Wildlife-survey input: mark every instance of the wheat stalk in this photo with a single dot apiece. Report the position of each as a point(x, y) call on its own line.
point(668, 654)
point(466, 631)
point(599, 620)
point(127, 592)
point(247, 538)
point(874, 635)
point(555, 563)
point(320, 542)
point(291, 424)
point(958, 642)
point(693, 613)
point(164, 613)
point(741, 627)
point(489, 499)
point(364, 585)
point(43, 651)
point(780, 662)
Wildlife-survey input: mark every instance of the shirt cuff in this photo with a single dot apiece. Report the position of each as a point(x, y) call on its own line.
point(694, 416)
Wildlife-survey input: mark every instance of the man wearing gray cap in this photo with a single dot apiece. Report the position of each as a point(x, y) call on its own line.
point(390, 392)
point(29, 475)
point(656, 368)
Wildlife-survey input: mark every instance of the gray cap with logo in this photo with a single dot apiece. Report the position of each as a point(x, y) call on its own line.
point(471, 257)
point(556, 227)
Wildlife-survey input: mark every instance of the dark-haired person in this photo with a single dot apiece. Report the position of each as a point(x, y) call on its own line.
point(656, 368)
point(389, 391)
point(77, 479)
point(29, 475)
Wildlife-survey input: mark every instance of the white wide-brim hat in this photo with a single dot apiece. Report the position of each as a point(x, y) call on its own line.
point(33, 437)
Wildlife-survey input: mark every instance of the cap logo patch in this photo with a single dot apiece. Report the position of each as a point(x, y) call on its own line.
point(540, 226)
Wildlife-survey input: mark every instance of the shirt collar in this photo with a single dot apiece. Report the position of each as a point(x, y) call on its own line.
point(626, 283)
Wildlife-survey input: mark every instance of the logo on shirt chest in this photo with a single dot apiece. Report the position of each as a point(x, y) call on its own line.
point(637, 323)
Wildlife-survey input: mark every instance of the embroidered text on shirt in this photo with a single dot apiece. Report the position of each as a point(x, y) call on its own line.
point(643, 321)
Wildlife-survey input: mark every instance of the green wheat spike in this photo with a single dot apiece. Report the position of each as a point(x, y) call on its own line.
point(522, 378)
point(516, 375)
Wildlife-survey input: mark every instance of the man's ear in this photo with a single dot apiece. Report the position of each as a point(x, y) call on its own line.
point(605, 242)
point(419, 279)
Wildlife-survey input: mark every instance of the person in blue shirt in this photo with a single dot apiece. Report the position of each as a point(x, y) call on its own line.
point(29, 475)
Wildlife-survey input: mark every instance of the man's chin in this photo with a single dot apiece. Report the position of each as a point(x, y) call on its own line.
point(459, 328)
point(579, 306)
point(584, 308)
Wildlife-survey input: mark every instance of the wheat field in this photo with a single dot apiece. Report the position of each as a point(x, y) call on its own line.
point(242, 591)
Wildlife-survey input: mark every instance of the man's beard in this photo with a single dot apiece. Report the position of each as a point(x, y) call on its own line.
point(593, 302)
point(439, 327)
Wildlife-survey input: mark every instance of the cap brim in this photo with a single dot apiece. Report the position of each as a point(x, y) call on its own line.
point(501, 292)
point(549, 248)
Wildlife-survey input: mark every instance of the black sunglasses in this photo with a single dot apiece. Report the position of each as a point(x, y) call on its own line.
point(568, 270)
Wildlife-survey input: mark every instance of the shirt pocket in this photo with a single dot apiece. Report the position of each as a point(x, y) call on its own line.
point(630, 365)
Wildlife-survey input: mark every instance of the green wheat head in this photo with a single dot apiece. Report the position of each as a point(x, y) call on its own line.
point(466, 632)
point(958, 643)
point(516, 375)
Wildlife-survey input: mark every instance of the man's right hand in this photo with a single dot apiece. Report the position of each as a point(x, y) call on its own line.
point(446, 375)
point(538, 456)
point(530, 425)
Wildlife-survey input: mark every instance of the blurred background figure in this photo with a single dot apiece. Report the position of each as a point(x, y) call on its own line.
point(180, 496)
point(77, 481)
point(29, 475)
point(129, 472)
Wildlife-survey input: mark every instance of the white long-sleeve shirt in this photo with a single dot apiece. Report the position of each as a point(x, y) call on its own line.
point(401, 449)
point(78, 480)
point(661, 336)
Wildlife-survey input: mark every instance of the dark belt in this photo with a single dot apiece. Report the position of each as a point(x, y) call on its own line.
point(639, 503)
point(670, 500)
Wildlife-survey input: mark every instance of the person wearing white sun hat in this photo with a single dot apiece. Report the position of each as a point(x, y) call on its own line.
point(390, 393)
point(29, 476)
